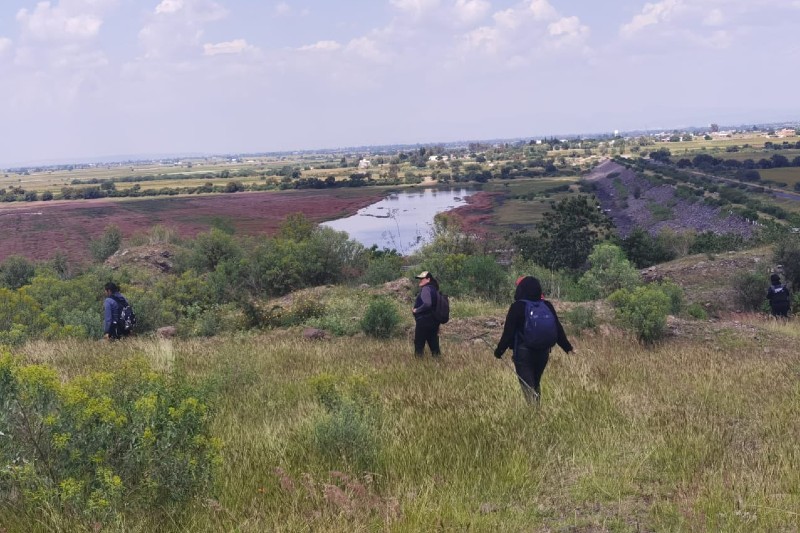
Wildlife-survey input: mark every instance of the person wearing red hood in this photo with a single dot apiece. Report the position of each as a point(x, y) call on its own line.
point(529, 361)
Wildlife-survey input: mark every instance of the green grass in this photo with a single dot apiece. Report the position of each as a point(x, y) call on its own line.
point(688, 436)
point(788, 175)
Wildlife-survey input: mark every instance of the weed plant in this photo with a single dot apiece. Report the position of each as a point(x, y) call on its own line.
point(686, 435)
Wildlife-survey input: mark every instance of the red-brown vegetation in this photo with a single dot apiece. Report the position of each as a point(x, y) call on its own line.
point(40, 229)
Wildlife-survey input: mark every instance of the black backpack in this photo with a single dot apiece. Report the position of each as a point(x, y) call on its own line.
point(441, 312)
point(540, 330)
point(127, 318)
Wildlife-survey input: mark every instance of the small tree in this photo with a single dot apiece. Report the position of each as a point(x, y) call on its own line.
point(609, 271)
point(107, 244)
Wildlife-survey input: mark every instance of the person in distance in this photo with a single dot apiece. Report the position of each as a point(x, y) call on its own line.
point(426, 329)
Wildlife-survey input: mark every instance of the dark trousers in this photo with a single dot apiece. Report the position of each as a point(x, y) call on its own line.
point(781, 310)
point(530, 364)
point(427, 330)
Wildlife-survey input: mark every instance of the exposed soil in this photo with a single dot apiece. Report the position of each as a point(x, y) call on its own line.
point(630, 201)
point(38, 230)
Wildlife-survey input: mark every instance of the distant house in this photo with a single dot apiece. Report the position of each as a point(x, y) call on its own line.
point(786, 132)
point(364, 163)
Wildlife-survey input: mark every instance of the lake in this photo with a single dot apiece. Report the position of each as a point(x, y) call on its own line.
point(403, 221)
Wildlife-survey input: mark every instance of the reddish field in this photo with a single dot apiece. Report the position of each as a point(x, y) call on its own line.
point(38, 230)
point(476, 217)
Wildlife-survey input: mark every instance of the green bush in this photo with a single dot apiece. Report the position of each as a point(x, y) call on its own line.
point(610, 270)
point(103, 443)
point(675, 294)
point(382, 269)
point(16, 272)
point(482, 276)
point(106, 245)
point(787, 254)
point(751, 290)
point(348, 430)
point(380, 319)
point(303, 309)
point(696, 311)
point(644, 310)
point(581, 318)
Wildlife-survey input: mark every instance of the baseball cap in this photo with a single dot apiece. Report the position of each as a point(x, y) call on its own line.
point(424, 274)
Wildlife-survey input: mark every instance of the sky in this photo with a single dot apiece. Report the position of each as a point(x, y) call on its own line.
point(103, 78)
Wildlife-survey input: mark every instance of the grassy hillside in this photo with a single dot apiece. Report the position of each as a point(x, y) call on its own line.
point(696, 434)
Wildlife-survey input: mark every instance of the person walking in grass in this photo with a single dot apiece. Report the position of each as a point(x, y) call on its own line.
point(531, 329)
point(426, 328)
point(779, 297)
point(112, 309)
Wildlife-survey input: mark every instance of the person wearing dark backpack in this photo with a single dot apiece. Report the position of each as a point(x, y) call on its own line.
point(531, 329)
point(426, 328)
point(113, 305)
point(780, 299)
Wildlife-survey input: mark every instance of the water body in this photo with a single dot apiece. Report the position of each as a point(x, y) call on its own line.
point(402, 221)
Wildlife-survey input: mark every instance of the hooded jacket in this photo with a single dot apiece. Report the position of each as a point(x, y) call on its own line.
point(778, 294)
point(528, 289)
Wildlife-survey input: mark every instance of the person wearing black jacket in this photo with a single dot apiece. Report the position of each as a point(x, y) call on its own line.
point(528, 362)
point(112, 307)
point(426, 328)
point(780, 299)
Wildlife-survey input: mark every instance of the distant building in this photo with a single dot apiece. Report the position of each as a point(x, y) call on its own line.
point(364, 163)
point(786, 132)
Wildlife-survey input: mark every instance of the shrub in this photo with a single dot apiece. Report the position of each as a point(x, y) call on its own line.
point(644, 310)
point(127, 439)
point(16, 272)
point(348, 429)
point(382, 269)
point(482, 276)
point(581, 318)
point(675, 294)
point(104, 247)
point(696, 311)
point(751, 290)
point(609, 271)
point(380, 319)
point(787, 254)
point(303, 309)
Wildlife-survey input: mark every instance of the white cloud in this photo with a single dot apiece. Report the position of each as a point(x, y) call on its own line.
point(507, 19)
point(471, 11)
point(542, 10)
point(415, 8)
point(169, 6)
point(57, 23)
point(321, 46)
point(5, 45)
point(176, 27)
point(283, 9)
point(237, 46)
point(569, 27)
point(367, 48)
point(521, 33)
point(714, 18)
point(651, 14)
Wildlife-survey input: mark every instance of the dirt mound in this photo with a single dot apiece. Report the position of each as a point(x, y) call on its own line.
point(158, 259)
point(708, 279)
point(633, 201)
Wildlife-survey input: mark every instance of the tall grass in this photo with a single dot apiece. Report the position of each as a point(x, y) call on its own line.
point(685, 436)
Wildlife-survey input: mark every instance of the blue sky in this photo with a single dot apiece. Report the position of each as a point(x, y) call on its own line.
point(90, 78)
